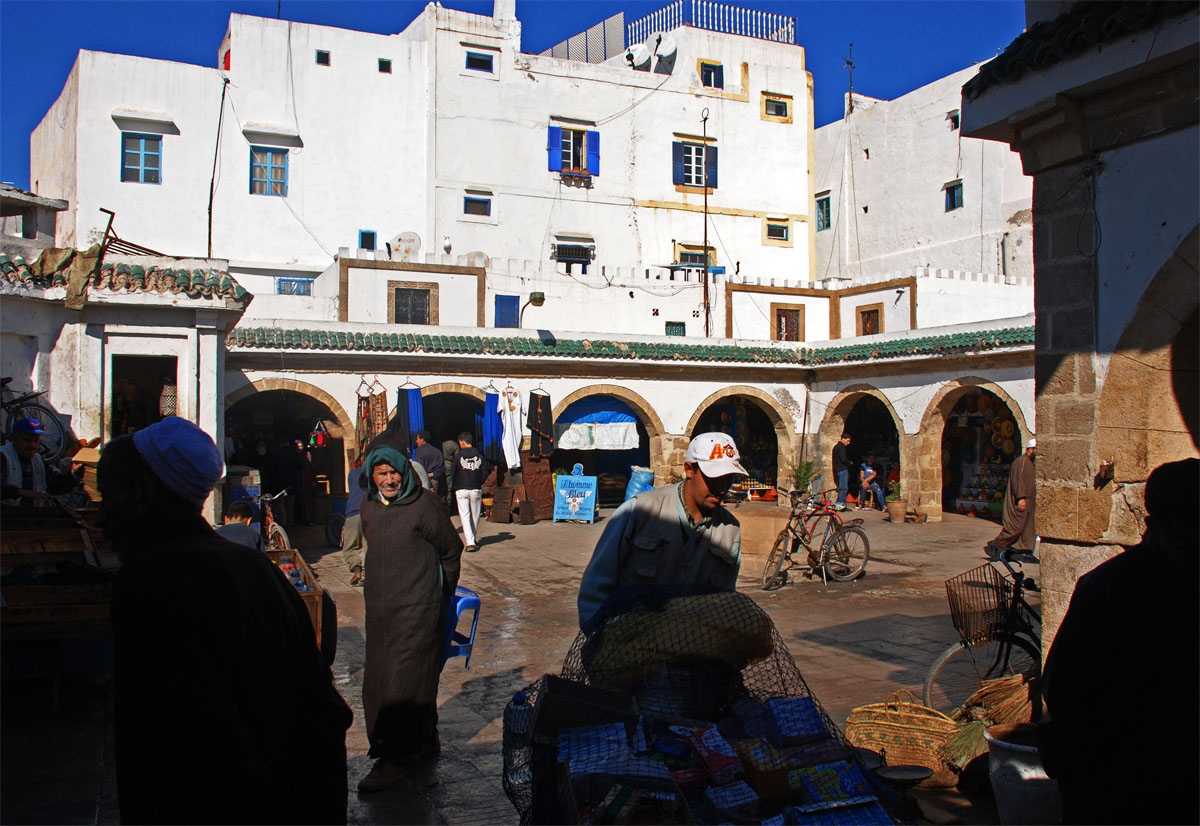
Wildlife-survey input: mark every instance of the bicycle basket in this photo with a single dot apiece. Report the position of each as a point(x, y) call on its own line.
point(979, 601)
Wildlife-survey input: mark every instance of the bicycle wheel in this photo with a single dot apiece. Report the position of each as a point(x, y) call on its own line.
point(771, 576)
point(333, 529)
point(277, 538)
point(960, 671)
point(846, 553)
point(54, 441)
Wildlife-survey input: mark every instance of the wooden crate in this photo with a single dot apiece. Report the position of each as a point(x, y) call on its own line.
point(311, 597)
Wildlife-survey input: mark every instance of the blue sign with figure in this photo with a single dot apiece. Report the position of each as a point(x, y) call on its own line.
point(575, 499)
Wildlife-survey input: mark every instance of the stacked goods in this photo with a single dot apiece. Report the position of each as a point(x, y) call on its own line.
point(703, 720)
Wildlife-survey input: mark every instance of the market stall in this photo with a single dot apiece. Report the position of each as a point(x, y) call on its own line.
point(980, 440)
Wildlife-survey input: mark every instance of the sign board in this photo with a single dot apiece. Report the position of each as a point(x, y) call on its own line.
point(575, 498)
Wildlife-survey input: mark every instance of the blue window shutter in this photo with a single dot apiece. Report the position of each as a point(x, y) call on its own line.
point(554, 148)
point(710, 166)
point(677, 162)
point(719, 77)
point(508, 310)
point(593, 152)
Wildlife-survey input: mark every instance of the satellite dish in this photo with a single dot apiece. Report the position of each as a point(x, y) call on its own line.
point(404, 247)
point(639, 57)
point(665, 47)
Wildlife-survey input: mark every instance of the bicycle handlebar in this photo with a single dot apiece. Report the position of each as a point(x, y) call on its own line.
point(268, 497)
point(1019, 577)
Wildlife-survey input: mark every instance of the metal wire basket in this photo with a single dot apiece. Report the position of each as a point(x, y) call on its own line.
point(979, 603)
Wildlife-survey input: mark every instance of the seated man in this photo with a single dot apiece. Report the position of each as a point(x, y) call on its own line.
point(238, 517)
point(25, 479)
point(674, 535)
point(868, 479)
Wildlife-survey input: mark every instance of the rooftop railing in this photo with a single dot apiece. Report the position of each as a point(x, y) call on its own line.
point(714, 17)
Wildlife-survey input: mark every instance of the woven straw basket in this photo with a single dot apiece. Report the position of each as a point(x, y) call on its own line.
point(909, 733)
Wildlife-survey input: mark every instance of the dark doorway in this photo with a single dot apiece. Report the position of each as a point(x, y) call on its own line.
point(266, 423)
point(587, 418)
point(872, 431)
point(144, 390)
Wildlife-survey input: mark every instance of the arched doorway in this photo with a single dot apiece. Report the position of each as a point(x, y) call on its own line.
point(265, 426)
point(866, 415)
point(760, 430)
point(451, 410)
point(605, 435)
point(982, 433)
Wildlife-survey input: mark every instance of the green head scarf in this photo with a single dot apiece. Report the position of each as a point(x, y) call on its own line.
point(386, 455)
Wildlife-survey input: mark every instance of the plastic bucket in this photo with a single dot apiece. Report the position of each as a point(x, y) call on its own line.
point(1024, 793)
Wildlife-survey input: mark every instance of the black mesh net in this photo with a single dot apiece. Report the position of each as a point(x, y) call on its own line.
point(681, 706)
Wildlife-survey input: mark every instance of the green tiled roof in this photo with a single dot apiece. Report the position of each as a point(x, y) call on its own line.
point(134, 278)
point(273, 338)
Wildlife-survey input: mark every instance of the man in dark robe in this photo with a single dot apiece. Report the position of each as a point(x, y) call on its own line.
point(410, 574)
point(1019, 499)
point(1121, 679)
point(225, 711)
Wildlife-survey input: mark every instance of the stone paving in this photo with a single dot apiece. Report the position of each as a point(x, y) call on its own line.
point(853, 642)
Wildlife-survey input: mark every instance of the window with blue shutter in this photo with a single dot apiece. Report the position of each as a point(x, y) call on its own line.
point(710, 165)
point(691, 162)
point(593, 152)
point(554, 156)
point(677, 162)
point(508, 311)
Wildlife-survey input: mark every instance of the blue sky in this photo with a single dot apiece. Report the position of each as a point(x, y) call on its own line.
point(898, 46)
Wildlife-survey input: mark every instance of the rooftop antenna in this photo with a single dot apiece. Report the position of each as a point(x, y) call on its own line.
point(849, 64)
point(278, 9)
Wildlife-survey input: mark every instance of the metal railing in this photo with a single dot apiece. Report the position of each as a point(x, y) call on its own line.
point(714, 17)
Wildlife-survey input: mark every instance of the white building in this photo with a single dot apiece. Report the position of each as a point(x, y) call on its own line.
point(387, 198)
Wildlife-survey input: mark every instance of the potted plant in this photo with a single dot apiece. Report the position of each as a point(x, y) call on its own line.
point(897, 505)
point(802, 474)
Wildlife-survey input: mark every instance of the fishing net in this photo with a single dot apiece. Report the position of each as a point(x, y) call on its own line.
point(677, 705)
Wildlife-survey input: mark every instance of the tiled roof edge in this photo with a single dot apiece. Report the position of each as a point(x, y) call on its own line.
point(276, 338)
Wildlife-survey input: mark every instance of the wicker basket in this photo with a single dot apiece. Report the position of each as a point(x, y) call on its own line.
point(909, 734)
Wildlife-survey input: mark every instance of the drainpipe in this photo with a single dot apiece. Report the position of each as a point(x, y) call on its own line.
point(212, 183)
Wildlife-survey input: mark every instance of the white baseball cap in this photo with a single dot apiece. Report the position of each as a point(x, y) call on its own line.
point(716, 454)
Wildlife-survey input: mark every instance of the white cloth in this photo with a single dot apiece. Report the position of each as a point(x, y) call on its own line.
point(12, 466)
point(512, 418)
point(596, 436)
point(470, 502)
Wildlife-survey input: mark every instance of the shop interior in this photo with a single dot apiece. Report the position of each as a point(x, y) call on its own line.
point(753, 433)
point(979, 442)
point(262, 425)
point(872, 431)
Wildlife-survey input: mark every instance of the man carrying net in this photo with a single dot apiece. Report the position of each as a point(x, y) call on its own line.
point(674, 535)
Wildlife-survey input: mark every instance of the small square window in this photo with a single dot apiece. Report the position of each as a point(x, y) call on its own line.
point(789, 324)
point(477, 206)
point(268, 171)
point(141, 158)
point(776, 108)
point(479, 61)
point(953, 117)
point(954, 195)
point(777, 231)
point(823, 213)
point(385, 66)
point(676, 328)
point(712, 75)
point(293, 286)
point(366, 239)
point(322, 57)
point(868, 322)
point(694, 164)
point(410, 306)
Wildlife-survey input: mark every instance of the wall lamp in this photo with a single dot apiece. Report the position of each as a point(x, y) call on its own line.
point(536, 299)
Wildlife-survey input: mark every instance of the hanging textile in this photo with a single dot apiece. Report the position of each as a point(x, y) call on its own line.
point(362, 428)
point(510, 417)
point(597, 423)
point(541, 430)
point(399, 427)
point(416, 415)
point(492, 429)
point(379, 412)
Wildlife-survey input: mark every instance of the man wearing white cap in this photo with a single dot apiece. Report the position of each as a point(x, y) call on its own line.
point(1018, 532)
point(674, 535)
point(224, 710)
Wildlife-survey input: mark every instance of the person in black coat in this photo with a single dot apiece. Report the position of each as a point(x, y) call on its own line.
point(225, 711)
point(432, 460)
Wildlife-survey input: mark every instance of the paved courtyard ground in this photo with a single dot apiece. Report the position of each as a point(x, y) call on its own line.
point(853, 642)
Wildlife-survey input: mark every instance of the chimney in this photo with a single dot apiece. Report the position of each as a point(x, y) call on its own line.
point(504, 10)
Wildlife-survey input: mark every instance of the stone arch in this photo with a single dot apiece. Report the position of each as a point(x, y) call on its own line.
point(641, 408)
point(344, 422)
point(781, 420)
point(834, 422)
point(933, 423)
point(455, 387)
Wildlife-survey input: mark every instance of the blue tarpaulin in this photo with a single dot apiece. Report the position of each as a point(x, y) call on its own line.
point(596, 423)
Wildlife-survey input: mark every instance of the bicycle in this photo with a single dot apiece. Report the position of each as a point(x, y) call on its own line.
point(842, 551)
point(24, 406)
point(275, 538)
point(999, 633)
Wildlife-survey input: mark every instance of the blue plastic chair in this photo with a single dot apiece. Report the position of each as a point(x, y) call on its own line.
point(457, 644)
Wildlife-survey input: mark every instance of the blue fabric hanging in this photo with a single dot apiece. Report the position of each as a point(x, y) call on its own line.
point(493, 429)
point(416, 416)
